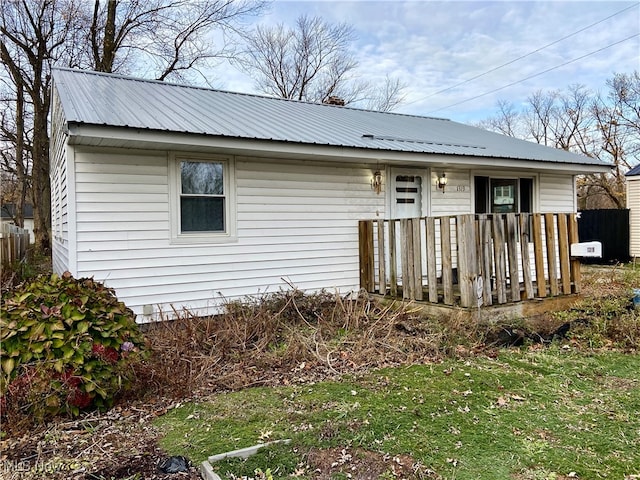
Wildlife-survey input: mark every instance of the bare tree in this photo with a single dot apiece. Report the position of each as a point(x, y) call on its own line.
point(309, 62)
point(15, 157)
point(163, 37)
point(604, 127)
point(539, 116)
point(33, 36)
point(624, 94)
point(159, 38)
point(383, 98)
point(312, 62)
point(573, 123)
point(617, 125)
point(507, 121)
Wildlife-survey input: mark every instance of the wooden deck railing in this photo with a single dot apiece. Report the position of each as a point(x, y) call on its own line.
point(470, 259)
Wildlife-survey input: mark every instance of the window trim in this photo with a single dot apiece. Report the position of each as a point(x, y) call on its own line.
point(229, 195)
point(535, 185)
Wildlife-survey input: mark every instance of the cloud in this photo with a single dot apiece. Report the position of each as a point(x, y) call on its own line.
point(433, 46)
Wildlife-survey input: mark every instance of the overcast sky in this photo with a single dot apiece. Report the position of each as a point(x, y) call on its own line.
point(438, 47)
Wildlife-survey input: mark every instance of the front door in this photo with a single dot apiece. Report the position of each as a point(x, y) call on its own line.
point(406, 202)
point(406, 193)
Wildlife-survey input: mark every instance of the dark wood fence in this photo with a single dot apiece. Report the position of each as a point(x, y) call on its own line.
point(467, 259)
point(611, 228)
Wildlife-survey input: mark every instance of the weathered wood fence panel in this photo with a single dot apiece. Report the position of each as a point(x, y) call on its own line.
point(539, 256)
point(365, 235)
point(14, 242)
point(494, 248)
point(447, 267)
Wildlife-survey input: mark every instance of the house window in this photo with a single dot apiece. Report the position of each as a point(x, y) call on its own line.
point(202, 199)
point(503, 195)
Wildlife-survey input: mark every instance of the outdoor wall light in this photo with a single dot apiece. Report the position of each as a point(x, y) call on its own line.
point(442, 181)
point(376, 182)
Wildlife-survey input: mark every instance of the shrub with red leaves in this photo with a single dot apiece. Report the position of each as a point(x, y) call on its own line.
point(108, 354)
point(78, 398)
point(67, 344)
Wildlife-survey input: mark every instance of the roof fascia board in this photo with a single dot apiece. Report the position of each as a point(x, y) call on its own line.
point(105, 136)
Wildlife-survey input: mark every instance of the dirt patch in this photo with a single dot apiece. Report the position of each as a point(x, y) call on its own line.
point(535, 474)
point(121, 444)
point(618, 383)
point(325, 464)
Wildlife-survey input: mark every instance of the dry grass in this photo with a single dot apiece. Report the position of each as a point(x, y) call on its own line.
point(23, 270)
point(292, 337)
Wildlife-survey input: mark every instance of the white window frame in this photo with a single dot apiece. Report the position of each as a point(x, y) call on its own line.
point(229, 193)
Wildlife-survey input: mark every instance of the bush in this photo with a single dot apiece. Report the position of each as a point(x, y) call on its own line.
point(66, 345)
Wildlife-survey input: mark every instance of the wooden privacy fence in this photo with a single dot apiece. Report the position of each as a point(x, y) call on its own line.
point(470, 259)
point(14, 242)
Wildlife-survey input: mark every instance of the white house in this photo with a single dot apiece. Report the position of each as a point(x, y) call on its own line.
point(633, 204)
point(184, 196)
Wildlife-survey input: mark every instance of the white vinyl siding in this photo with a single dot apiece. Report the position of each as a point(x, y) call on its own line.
point(633, 203)
point(121, 204)
point(456, 199)
point(557, 193)
point(59, 191)
point(296, 224)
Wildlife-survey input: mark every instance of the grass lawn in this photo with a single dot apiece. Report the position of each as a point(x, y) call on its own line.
point(532, 413)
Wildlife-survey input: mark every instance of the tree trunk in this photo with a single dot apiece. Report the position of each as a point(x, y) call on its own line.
point(41, 187)
point(21, 164)
point(109, 43)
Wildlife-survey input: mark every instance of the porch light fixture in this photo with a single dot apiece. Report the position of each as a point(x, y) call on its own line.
point(376, 182)
point(442, 181)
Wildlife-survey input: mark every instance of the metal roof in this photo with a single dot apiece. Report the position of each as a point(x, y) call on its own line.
point(93, 98)
point(634, 171)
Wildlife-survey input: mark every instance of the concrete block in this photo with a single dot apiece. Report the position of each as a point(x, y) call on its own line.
point(207, 473)
point(244, 452)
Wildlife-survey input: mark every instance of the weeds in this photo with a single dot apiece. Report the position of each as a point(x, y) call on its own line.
point(606, 316)
point(289, 336)
point(34, 264)
point(296, 335)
